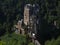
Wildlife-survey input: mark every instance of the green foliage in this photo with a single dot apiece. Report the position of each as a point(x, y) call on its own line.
point(53, 42)
point(31, 43)
point(2, 43)
point(13, 39)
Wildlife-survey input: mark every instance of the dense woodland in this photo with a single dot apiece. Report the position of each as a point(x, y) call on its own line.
point(49, 11)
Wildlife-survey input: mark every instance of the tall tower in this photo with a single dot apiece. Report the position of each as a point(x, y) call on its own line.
point(30, 16)
point(26, 14)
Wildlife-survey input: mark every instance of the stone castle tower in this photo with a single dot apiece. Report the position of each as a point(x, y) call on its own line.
point(26, 14)
point(30, 10)
point(30, 16)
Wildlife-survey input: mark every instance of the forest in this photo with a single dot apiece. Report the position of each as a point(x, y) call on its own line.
point(49, 13)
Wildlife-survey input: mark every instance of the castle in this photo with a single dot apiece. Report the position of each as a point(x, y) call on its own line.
point(30, 20)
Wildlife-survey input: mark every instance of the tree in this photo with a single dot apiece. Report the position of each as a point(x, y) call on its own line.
point(13, 39)
point(53, 42)
point(31, 44)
